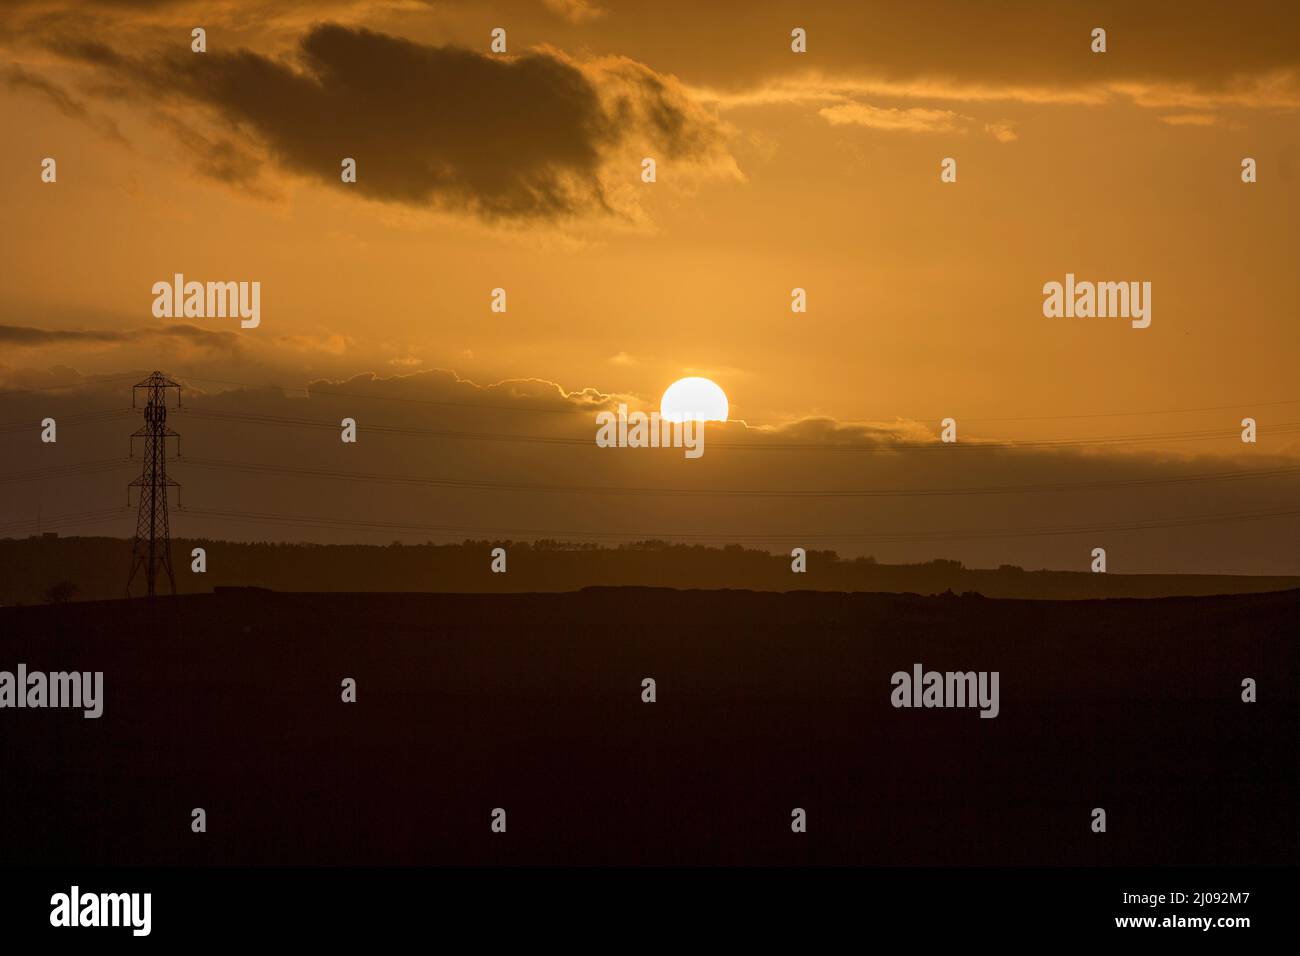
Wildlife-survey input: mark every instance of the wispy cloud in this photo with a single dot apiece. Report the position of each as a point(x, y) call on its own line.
point(19, 79)
point(576, 11)
point(914, 120)
point(1191, 119)
point(1002, 131)
point(1275, 89)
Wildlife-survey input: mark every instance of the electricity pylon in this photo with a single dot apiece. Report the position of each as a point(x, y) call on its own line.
point(152, 547)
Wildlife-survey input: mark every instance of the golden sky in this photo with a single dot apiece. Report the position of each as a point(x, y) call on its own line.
point(775, 170)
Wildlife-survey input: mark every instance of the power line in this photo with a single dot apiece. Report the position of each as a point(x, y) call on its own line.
point(882, 448)
point(66, 471)
point(308, 389)
point(312, 391)
point(87, 468)
point(386, 478)
point(337, 523)
point(65, 520)
point(82, 418)
point(1053, 418)
point(83, 384)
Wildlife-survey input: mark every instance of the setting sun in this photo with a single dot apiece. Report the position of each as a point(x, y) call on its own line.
point(694, 399)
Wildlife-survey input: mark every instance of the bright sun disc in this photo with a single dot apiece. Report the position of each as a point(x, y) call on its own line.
point(693, 399)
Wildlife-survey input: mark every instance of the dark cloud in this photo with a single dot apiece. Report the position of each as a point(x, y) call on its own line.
point(520, 137)
point(218, 156)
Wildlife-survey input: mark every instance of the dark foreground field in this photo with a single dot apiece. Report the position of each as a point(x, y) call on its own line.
point(766, 702)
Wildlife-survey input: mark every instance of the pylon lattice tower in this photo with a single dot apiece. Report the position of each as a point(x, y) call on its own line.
point(151, 550)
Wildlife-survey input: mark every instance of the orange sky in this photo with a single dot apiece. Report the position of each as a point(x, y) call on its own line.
point(775, 170)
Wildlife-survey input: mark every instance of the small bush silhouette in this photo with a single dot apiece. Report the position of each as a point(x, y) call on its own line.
point(61, 593)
